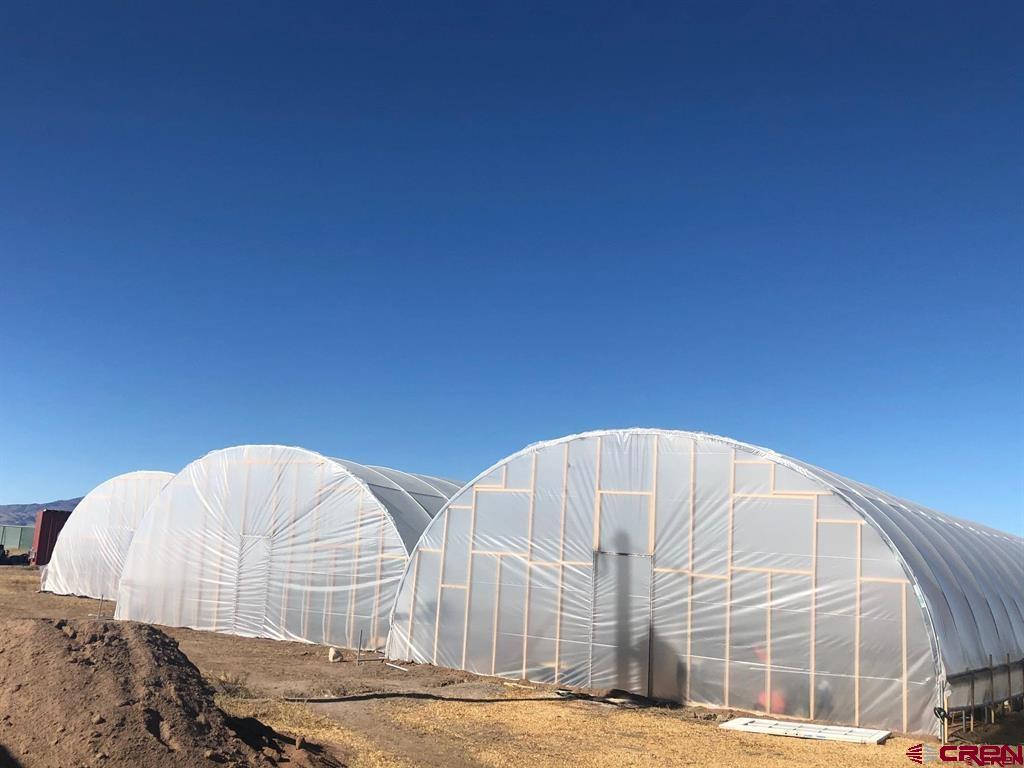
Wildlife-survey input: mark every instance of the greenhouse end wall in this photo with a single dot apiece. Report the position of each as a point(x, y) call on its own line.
point(89, 554)
point(674, 565)
point(274, 541)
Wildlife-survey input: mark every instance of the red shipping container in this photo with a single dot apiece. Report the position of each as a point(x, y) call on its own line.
point(48, 525)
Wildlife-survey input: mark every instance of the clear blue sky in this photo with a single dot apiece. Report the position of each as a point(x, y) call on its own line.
point(427, 236)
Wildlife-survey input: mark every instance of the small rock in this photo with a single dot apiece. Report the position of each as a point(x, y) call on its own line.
point(17, 686)
point(333, 654)
point(98, 718)
point(300, 743)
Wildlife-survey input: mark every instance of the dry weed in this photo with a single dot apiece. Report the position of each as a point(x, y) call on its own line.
point(297, 719)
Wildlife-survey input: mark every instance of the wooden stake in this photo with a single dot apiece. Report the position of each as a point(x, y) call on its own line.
point(856, 638)
point(325, 625)
point(561, 566)
point(653, 507)
point(497, 602)
point(768, 649)
point(944, 730)
point(814, 603)
point(597, 498)
point(728, 569)
point(650, 630)
point(1009, 679)
point(693, 494)
point(350, 617)
point(376, 589)
point(689, 600)
point(593, 610)
point(991, 686)
point(412, 602)
point(317, 503)
point(469, 574)
point(973, 705)
point(759, 569)
point(286, 591)
point(903, 631)
point(651, 523)
point(440, 582)
point(529, 557)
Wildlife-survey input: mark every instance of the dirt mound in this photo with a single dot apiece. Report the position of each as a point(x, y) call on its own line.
point(103, 693)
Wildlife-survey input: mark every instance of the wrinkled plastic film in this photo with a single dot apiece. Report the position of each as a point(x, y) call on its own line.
point(692, 568)
point(277, 542)
point(90, 552)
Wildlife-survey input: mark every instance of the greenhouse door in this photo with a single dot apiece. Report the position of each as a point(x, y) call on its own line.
point(621, 628)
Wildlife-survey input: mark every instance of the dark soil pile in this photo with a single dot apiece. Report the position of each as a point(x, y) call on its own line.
point(104, 693)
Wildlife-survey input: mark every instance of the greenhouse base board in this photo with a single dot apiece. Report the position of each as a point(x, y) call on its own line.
point(806, 730)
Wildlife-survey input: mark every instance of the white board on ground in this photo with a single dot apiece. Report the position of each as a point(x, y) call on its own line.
point(806, 730)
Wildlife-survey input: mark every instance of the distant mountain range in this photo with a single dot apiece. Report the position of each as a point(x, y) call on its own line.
point(25, 514)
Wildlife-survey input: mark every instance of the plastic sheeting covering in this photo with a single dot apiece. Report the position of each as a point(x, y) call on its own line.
point(690, 567)
point(278, 542)
point(971, 579)
point(90, 552)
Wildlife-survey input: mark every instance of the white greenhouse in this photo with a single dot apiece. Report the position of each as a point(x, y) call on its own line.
point(695, 568)
point(90, 552)
point(278, 542)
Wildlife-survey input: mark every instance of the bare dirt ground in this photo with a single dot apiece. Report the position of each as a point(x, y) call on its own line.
point(83, 692)
point(426, 716)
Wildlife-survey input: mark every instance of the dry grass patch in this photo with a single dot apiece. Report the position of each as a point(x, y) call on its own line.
point(296, 719)
point(540, 733)
point(19, 580)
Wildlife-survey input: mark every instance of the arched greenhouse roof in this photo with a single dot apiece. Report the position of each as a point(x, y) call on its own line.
point(90, 552)
point(277, 541)
point(715, 572)
point(971, 577)
point(412, 500)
